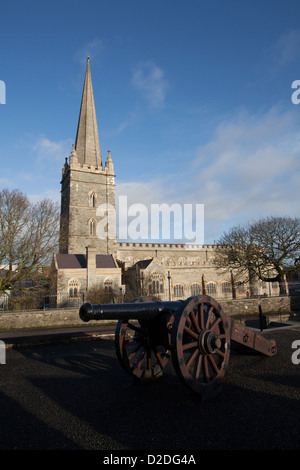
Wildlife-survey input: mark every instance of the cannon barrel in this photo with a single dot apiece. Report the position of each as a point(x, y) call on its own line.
point(133, 311)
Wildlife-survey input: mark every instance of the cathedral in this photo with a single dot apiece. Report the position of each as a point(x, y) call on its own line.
point(87, 261)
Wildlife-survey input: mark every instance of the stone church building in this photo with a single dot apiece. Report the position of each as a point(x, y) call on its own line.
point(86, 261)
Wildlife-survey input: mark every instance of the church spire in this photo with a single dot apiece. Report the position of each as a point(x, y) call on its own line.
point(87, 145)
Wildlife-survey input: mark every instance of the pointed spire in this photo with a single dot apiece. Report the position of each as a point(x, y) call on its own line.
point(87, 143)
point(109, 166)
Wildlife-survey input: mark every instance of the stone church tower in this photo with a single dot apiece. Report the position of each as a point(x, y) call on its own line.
point(90, 255)
point(87, 188)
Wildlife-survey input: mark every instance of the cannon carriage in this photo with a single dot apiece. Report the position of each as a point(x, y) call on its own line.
point(194, 333)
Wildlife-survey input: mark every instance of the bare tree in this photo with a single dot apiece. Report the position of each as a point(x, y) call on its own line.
point(29, 236)
point(265, 249)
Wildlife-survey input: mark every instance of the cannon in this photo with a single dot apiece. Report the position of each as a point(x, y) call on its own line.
point(195, 333)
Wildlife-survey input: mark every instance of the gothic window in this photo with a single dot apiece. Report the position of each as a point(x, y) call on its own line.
point(73, 288)
point(195, 289)
point(178, 290)
point(241, 286)
point(226, 287)
point(166, 261)
point(211, 288)
point(92, 227)
point(182, 261)
point(92, 199)
point(196, 262)
point(108, 286)
point(156, 284)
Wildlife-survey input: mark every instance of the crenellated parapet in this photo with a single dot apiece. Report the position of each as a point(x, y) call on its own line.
point(171, 246)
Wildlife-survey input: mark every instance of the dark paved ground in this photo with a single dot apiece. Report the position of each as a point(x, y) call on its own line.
point(58, 334)
point(75, 396)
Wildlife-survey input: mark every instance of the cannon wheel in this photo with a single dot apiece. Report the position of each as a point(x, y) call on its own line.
point(201, 345)
point(135, 350)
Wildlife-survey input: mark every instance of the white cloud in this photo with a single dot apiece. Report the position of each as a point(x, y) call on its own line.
point(288, 47)
point(47, 194)
point(150, 80)
point(6, 183)
point(145, 192)
point(250, 168)
point(286, 50)
point(50, 152)
point(41, 170)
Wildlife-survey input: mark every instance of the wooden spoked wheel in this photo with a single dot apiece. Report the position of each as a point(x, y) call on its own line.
point(138, 348)
point(201, 345)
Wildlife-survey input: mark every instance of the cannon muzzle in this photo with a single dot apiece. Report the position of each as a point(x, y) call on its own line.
point(126, 311)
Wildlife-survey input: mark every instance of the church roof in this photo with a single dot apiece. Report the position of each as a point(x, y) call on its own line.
point(66, 261)
point(142, 264)
point(87, 145)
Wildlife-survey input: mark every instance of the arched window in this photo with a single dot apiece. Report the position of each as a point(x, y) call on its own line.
point(92, 227)
point(195, 289)
point(108, 286)
point(241, 286)
point(196, 261)
point(73, 288)
point(211, 288)
point(156, 283)
point(166, 261)
point(226, 287)
point(178, 290)
point(92, 199)
point(182, 261)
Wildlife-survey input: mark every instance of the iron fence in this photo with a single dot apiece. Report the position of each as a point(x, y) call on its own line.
point(39, 302)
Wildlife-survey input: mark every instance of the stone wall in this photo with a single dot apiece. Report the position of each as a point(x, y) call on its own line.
point(39, 319)
point(269, 305)
point(245, 307)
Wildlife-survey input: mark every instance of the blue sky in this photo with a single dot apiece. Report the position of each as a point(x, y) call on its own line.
point(193, 99)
